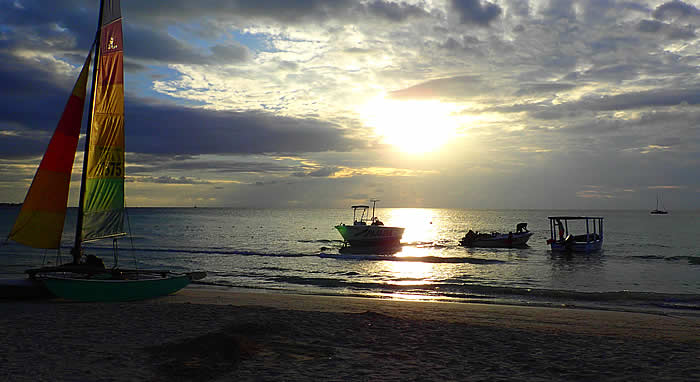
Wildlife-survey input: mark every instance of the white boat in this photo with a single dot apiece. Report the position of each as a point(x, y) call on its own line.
point(561, 240)
point(495, 239)
point(374, 234)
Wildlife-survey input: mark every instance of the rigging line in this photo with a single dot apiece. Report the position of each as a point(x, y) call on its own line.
point(115, 253)
point(131, 237)
point(59, 258)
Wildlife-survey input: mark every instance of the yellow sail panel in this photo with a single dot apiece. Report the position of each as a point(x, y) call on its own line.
point(40, 221)
point(107, 163)
point(46, 228)
point(110, 131)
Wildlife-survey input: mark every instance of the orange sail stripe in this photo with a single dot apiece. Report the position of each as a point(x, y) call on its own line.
point(111, 69)
point(44, 195)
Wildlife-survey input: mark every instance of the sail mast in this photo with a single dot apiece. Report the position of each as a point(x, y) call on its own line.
point(657, 200)
point(81, 201)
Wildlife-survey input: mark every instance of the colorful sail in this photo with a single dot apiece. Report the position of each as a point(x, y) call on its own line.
point(103, 203)
point(40, 221)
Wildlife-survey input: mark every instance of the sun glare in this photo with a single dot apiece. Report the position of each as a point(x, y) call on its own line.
point(412, 126)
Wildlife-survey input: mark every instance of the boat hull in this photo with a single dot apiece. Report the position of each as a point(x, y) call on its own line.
point(498, 241)
point(370, 235)
point(591, 246)
point(93, 290)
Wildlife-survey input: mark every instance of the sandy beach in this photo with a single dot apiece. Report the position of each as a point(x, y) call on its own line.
point(209, 334)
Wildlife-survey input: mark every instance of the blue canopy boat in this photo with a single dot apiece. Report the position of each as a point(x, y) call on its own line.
point(562, 240)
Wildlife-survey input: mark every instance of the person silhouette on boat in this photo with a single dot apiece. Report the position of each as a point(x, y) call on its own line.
point(521, 227)
point(94, 261)
point(469, 238)
point(510, 239)
point(561, 230)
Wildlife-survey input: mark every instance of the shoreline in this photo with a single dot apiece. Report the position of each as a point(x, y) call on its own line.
point(663, 303)
point(573, 319)
point(202, 333)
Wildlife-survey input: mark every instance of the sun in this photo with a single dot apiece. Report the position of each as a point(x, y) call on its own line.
point(412, 126)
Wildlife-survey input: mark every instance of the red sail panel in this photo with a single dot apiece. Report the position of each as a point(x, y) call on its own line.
point(40, 221)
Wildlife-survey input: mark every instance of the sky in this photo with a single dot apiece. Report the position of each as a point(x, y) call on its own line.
point(561, 104)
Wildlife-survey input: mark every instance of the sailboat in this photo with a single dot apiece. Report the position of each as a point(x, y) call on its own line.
point(101, 203)
point(658, 211)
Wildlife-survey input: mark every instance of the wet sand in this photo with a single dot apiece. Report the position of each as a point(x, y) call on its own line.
point(208, 334)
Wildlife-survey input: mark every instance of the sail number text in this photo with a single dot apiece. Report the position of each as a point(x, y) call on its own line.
point(109, 169)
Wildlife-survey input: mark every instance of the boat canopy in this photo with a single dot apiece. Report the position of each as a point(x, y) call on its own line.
point(560, 225)
point(355, 207)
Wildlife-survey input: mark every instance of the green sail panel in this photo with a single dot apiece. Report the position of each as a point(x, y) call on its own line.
point(104, 215)
point(103, 203)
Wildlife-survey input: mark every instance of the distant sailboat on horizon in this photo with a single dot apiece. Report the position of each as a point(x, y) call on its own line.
point(658, 211)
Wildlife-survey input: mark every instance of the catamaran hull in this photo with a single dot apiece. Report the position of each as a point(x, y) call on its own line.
point(93, 290)
point(370, 235)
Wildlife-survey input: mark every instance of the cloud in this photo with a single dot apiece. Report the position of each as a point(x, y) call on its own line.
point(476, 13)
point(636, 100)
point(152, 127)
point(149, 44)
point(396, 12)
point(157, 45)
point(676, 10)
point(281, 11)
point(166, 180)
point(543, 88)
point(452, 87)
point(593, 103)
point(233, 52)
point(58, 26)
point(212, 166)
point(166, 129)
point(321, 172)
point(666, 187)
point(32, 97)
point(672, 32)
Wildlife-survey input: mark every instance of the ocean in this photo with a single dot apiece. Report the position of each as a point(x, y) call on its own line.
point(648, 263)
